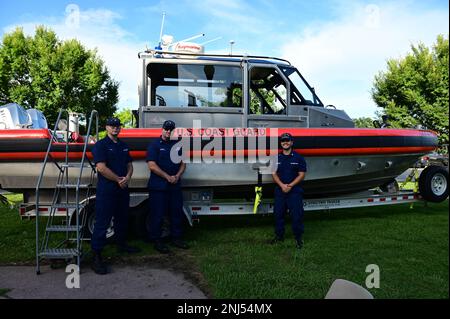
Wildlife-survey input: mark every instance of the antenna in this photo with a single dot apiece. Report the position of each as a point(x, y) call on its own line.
point(188, 39)
point(160, 33)
point(231, 46)
point(218, 38)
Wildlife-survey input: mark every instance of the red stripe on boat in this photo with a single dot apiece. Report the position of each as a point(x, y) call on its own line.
point(234, 153)
point(296, 132)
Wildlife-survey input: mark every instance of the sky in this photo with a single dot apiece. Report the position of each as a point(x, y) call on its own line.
point(337, 45)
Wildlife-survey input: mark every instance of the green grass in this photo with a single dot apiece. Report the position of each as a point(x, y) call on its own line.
point(410, 246)
point(4, 291)
point(17, 237)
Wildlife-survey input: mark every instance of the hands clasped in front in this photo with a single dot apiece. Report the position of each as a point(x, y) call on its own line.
point(173, 179)
point(286, 188)
point(123, 181)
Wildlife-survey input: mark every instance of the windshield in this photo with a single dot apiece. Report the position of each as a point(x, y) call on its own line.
point(301, 92)
point(195, 85)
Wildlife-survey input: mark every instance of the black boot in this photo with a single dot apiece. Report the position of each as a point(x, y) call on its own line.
point(180, 243)
point(276, 240)
point(98, 266)
point(299, 243)
point(161, 247)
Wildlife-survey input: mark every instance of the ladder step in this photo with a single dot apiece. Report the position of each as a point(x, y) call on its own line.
point(69, 205)
point(62, 228)
point(59, 253)
point(73, 185)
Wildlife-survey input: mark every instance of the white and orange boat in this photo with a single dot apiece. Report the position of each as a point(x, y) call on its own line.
point(236, 96)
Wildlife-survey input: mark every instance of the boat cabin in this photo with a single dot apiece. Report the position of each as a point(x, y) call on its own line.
point(229, 91)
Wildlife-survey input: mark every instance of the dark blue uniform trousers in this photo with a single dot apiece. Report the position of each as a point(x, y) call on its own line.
point(161, 202)
point(294, 202)
point(114, 204)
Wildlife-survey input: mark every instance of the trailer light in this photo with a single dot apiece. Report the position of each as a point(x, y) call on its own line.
point(382, 199)
point(370, 200)
point(214, 208)
point(196, 208)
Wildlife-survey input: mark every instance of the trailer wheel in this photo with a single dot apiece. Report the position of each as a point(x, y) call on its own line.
point(433, 184)
point(88, 228)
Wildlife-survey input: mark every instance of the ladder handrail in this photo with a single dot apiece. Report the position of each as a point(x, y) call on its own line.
point(47, 154)
point(63, 180)
point(86, 142)
point(94, 113)
point(38, 185)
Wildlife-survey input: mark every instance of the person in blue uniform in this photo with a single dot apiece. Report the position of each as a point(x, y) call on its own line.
point(114, 169)
point(165, 196)
point(291, 169)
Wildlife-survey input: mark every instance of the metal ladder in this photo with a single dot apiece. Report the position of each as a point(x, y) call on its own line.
point(48, 247)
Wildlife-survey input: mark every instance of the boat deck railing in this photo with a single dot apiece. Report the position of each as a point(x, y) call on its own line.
point(188, 55)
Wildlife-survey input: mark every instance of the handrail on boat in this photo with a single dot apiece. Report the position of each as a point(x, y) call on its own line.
point(244, 57)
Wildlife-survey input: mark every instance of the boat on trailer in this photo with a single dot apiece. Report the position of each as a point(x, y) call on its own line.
point(232, 107)
point(230, 112)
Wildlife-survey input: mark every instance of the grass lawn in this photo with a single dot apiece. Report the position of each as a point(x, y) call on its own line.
point(409, 245)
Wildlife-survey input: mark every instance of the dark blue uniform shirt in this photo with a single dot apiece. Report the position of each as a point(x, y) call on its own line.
point(116, 156)
point(159, 152)
point(288, 167)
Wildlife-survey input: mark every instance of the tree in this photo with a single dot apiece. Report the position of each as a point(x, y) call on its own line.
point(414, 90)
point(363, 122)
point(45, 73)
point(126, 117)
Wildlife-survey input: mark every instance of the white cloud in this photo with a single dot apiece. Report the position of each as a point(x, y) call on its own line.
point(340, 58)
point(98, 29)
point(232, 17)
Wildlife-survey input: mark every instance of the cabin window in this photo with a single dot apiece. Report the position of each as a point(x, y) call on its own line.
point(268, 91)
point(301, 92)
point(195, 85)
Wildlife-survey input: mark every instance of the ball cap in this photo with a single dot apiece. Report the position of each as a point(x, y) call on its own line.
point(113, 121)
point(286, 137)
point(168, 125)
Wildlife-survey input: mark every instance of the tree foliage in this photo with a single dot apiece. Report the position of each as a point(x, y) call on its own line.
point(363, 122)
point(43, 72)
point(415, 90)
point(126, 117)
